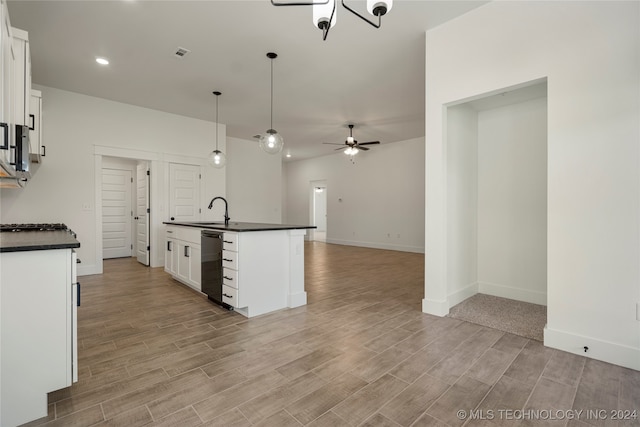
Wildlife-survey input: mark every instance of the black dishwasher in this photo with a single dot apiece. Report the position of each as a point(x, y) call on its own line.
point(212, 265)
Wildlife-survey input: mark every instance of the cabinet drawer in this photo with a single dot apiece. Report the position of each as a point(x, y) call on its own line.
point(230, 242)
point(230, 296)
point(230, 259)
point(230, 277)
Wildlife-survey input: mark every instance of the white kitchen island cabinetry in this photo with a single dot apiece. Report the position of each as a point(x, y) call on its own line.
point(183, 256)
point(262, 264)
point(38, 345)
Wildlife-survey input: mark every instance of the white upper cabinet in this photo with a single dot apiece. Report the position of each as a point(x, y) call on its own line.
point(36, 149)
point(15, 95)
point(22, 73)
point(7, 64)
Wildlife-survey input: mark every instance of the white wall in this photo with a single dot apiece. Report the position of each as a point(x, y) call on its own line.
point(254, 187)
point(63, 186)
point(377, 202)
point(512, 201)
point(590, 54)
point(462, 191)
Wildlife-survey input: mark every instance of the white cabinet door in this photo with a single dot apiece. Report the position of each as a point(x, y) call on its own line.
point(171, 257)
point(22, 76)
point(184, 192)
point(36, 149)
point(8, 58)
point(189, 258)
point(195, 267)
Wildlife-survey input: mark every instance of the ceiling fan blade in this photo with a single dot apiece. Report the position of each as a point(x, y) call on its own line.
point(332, 143)
point(341, 148)
point(369, 143)
point(362, 148)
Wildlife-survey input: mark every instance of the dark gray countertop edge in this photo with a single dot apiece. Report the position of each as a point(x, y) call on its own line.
point(241, 227)
point(25, 241)
point(42, 247)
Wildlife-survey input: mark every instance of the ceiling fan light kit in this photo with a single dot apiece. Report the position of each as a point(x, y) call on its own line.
point(324, 12)
point(271, 141)
point(353, 147)
point(217, 159)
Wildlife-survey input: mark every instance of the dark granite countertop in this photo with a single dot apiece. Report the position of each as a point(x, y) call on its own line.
point(20, 241)
point(240, 226)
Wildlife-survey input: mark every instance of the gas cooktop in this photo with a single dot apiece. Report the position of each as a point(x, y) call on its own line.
point(33, 227)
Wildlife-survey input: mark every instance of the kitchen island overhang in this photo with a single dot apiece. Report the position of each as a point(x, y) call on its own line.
point(263, 263)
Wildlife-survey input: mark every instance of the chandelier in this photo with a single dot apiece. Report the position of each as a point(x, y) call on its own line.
point(324, 12)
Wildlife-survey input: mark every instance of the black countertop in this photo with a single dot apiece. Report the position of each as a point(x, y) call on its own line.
point(240, 226)
point(19, 241)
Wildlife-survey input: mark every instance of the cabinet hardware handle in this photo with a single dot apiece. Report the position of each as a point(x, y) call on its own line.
point(228, 296)
point(173, 218)
point(5, 141)
point(32, 126)
point(186, 251)
point(227, 241)
point(78, 304)
point(44, 151)
point(169, 245)
point(228, 278)
point(227, 259)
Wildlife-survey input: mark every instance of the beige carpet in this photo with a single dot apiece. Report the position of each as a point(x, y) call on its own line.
point(517, 317)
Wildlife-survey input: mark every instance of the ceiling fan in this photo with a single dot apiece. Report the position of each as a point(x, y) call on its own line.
point(351, 146)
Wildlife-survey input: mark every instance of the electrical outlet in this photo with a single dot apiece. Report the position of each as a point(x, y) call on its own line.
point(86, 207)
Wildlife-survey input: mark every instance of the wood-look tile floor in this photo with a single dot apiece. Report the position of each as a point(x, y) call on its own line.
point(153, 352)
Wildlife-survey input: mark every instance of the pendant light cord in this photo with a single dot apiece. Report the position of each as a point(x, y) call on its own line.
point(271, 127)
point(217, 122)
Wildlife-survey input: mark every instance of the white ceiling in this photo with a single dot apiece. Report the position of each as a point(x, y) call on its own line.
point(371, 77)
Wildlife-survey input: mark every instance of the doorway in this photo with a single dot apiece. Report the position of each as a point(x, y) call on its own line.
point(497, 197)
point(319, 210)
point(125, 209)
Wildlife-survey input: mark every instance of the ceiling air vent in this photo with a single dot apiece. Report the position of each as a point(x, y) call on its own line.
point(182, 52)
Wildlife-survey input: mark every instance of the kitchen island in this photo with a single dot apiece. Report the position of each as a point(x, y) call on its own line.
point(262, 264)
point(39, 291)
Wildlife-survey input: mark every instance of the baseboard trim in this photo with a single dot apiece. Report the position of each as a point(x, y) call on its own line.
point(297, 299)
point(374, 245)
point(460, 295)
point(436, 308)
point(517, 294)
point(86, 270)
point(605, 351)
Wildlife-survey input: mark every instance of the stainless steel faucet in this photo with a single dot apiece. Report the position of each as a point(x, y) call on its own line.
point(226, 208)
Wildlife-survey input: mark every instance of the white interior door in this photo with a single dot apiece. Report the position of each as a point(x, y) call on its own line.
point(184, 192)
point(116, 213)
point(142, 214)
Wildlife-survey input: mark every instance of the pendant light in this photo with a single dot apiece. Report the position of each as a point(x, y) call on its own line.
point(217, 159)
point(324, 12)
point(271, 141)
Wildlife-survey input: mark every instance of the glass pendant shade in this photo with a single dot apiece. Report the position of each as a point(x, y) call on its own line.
point(322, 14)
point(271, 142)
point(217, 159)
point(379, 6)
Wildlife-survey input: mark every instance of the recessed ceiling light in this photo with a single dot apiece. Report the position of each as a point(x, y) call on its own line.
point(102, 61)
point(288, 155)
